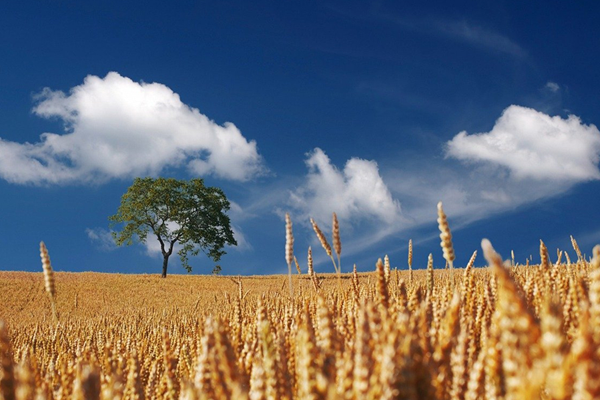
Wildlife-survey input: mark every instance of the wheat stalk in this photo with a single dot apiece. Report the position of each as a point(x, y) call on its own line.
point(576, 248)
point(289, 249)
point(410, 259)
point(596, 257)
point(382, 285)
point(387, 268)
point(519, 332)
point(48, 278)
point(337, 242)
point(507, 332)
point(445, 236)
point(7, 377)
point(297, 266)
point(337, 246)
point(324, 243)
point(355, 284)
point(471, 262)
point(430, 274)
point(544, 258)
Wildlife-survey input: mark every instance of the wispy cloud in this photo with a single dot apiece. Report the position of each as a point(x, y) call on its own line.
point(528, 156)
point(475, 35)
point(118, 128)
point(242, 241)
point(552, 86)
point(461, 30)
point(101, 238)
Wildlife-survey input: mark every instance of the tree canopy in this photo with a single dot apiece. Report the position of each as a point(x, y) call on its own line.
point(175, 211)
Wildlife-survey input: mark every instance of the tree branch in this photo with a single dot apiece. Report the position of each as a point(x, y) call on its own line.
point(162, 244)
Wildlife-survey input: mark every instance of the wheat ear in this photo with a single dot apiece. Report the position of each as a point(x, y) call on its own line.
point(596, 257)
point(387, 268)
point(297, 266)
point(48, 278)
point(382, 285)
point(324, 242)
point(430, 274)
point(337, 246)
point(337, 243)
point(311, 270)
point(7, 376)
point(544, 259)
point(355, 284)
point(445, 236)
point(289, 249)
point(410, 255)
point(576, 248)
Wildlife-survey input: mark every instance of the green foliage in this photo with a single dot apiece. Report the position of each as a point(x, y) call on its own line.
point(175, 211)
point(216, 270)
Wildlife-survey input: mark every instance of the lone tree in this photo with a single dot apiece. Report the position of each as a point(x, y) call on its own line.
point(176, 211)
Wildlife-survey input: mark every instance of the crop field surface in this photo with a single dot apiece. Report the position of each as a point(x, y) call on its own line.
point(499, 332)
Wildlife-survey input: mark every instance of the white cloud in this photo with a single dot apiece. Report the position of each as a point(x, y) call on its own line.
point(461, 30)
point(358, 192)
point(242, 242)
point(118, 128)
point(102, 238)
point(533, 145)
point(152, 245)
point(552, 86)
point(498, 179)
point(479, 36)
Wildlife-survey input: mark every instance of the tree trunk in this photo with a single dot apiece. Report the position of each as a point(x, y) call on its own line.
point(165, 263)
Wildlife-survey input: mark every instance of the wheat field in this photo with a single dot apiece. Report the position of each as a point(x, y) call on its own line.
point(499, 332)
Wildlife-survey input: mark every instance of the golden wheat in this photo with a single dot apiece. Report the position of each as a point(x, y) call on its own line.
point(445, 236)
point(289, 249)
point(505, 332)
point(49, 283)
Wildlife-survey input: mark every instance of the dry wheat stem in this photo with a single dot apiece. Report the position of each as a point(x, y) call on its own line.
point(297, 266)
point(309, 262)
point(289, 249)
point(576, 248)
point(410, 259)
point(7, 376)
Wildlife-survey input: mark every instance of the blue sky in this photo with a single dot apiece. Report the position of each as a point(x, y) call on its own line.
point(375, 110)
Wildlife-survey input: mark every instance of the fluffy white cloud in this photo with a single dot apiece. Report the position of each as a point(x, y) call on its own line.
point(118, 128)
point(533, 145)
point(357, 192)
